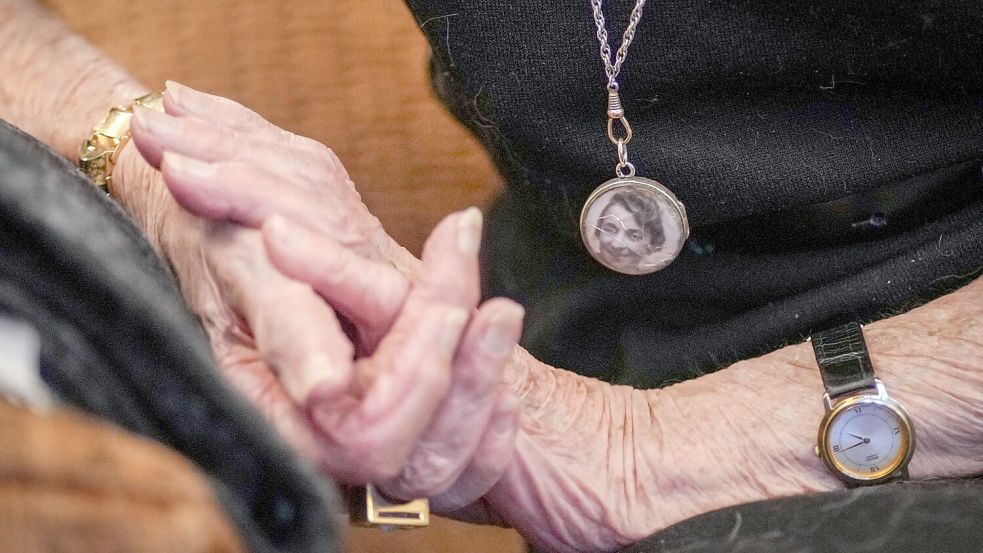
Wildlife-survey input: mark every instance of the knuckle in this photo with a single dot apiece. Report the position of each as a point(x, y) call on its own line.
point(392, 292)
point(229, 141)
point(327, 159)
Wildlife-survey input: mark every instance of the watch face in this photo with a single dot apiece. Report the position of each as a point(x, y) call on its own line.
point(866, 439)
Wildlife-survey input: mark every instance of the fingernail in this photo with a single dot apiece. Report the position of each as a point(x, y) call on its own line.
point(189, 99)
point(160, 124)
point(499, 337)
point(469, 231)
point(453, 327)
point(189, 166)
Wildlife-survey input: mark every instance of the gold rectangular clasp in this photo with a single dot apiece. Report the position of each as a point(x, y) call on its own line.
point(369, 508)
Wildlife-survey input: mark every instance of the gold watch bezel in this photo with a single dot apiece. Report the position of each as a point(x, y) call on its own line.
point(840, 405)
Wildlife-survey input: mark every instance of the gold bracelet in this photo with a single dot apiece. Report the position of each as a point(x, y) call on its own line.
point(99, 152)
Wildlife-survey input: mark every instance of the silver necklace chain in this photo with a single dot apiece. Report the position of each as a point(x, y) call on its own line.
point(610, 69)
point(616, 112)
point(673, 213)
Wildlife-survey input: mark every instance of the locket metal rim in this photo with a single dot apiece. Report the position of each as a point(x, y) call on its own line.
point(643, 182)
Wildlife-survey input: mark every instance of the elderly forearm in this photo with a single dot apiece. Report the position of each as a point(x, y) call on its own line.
point(748, 432)
point(599, 466)
point(55, 85)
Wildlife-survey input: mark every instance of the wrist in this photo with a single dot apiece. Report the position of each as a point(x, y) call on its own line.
point(743, 434)
point(565, 485)
point(756, 440)
point(136, 185)
point(87, 101)
point(931, 361)
point(141, 191)
point(643, 460)
point(56, 85)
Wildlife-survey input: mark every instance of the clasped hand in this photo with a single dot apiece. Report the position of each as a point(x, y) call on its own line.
point(406, 388)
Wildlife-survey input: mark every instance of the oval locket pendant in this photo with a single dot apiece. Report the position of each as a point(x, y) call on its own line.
point(633, 225)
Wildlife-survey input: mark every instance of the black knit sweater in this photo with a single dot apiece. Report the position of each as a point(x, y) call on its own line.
point(827, 151)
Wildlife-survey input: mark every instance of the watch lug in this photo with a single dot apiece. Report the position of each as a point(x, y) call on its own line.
point(881, 390)
point(827, 402)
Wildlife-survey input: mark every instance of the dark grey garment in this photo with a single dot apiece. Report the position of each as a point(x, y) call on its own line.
point(827, 152)
point(119, 343)
point(896, 518)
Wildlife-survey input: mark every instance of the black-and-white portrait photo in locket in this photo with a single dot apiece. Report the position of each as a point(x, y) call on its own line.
point(632, 228)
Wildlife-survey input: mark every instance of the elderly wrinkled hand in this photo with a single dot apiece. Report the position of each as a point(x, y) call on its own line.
point(423, 410)
point(470, 438)
point(551, 472)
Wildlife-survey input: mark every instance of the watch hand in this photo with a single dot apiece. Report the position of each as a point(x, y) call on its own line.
point(859, 437)
point(864, 441)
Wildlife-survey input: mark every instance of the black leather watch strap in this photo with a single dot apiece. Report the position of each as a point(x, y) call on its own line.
point(843, 359)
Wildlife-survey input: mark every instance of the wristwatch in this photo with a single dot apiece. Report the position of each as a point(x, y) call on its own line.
point(865, 437)
point(99, 152)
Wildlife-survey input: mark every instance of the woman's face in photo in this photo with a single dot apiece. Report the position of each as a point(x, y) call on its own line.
point(623, 241)
point(633, 227)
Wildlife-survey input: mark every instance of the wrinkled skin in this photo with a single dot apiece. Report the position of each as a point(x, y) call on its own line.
point(591, 467)
point(430, 374)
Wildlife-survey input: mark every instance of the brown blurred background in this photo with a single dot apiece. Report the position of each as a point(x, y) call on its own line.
point(351, 74)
